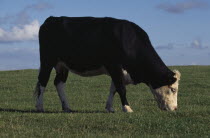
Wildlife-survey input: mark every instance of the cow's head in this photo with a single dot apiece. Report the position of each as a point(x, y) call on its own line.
point(166, 96)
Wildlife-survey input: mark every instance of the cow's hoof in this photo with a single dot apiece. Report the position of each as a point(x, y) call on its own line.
point(67, 111)
point(40, 110)
point(127, 109)
point(110, 110)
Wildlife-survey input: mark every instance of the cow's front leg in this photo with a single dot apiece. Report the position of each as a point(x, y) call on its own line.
point(125, 105)
point(109, 103)
point(118, 79)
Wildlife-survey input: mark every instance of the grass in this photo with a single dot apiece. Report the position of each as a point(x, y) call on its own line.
point(88, 97)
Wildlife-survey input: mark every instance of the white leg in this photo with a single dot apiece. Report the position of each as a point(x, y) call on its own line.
point(109, 102)
point(39, 100)
point(61, 93)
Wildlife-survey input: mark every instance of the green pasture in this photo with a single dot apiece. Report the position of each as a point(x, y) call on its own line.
point(87, 96)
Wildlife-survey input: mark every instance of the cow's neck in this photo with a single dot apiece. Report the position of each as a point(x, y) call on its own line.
point(158, 73)
point(152, 69)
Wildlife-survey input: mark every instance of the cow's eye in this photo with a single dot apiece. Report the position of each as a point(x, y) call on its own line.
point(173, 90)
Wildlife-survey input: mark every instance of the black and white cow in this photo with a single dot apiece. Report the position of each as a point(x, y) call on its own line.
point(91, 46)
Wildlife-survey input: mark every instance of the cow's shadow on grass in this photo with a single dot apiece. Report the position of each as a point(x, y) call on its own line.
point(48, 112)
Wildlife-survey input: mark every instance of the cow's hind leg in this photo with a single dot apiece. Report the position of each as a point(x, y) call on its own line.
point(117, 76)
point(109, 103)
point(43, 77)
point(59, 82)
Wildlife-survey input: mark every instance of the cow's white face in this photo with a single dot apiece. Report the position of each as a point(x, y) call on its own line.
point(166, 96)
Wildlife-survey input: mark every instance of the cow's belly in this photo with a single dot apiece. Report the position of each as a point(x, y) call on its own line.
point(83, 70)
point(89, 73)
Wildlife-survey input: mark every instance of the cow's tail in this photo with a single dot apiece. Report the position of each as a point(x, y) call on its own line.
point(36, 89)
point(43, 77)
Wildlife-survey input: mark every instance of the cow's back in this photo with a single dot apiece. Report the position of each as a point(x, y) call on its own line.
point(82, 39)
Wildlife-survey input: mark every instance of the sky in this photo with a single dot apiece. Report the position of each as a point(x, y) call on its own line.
point(179, 30)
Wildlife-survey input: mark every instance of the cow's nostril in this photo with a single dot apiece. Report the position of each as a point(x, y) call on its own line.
point(175, 108)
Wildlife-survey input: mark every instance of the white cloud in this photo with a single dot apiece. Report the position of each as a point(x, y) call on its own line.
point(169, 46)
point(25, 32)
point(181, 7)
point(197, 44)
point(41, 6)
point(24, 16)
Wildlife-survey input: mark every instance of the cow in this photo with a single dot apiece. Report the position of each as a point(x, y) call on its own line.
point(90, 46)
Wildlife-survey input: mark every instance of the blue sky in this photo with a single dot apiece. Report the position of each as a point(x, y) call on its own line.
point(179, 30)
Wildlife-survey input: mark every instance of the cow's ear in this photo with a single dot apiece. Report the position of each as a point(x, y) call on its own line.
point(177, 74)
